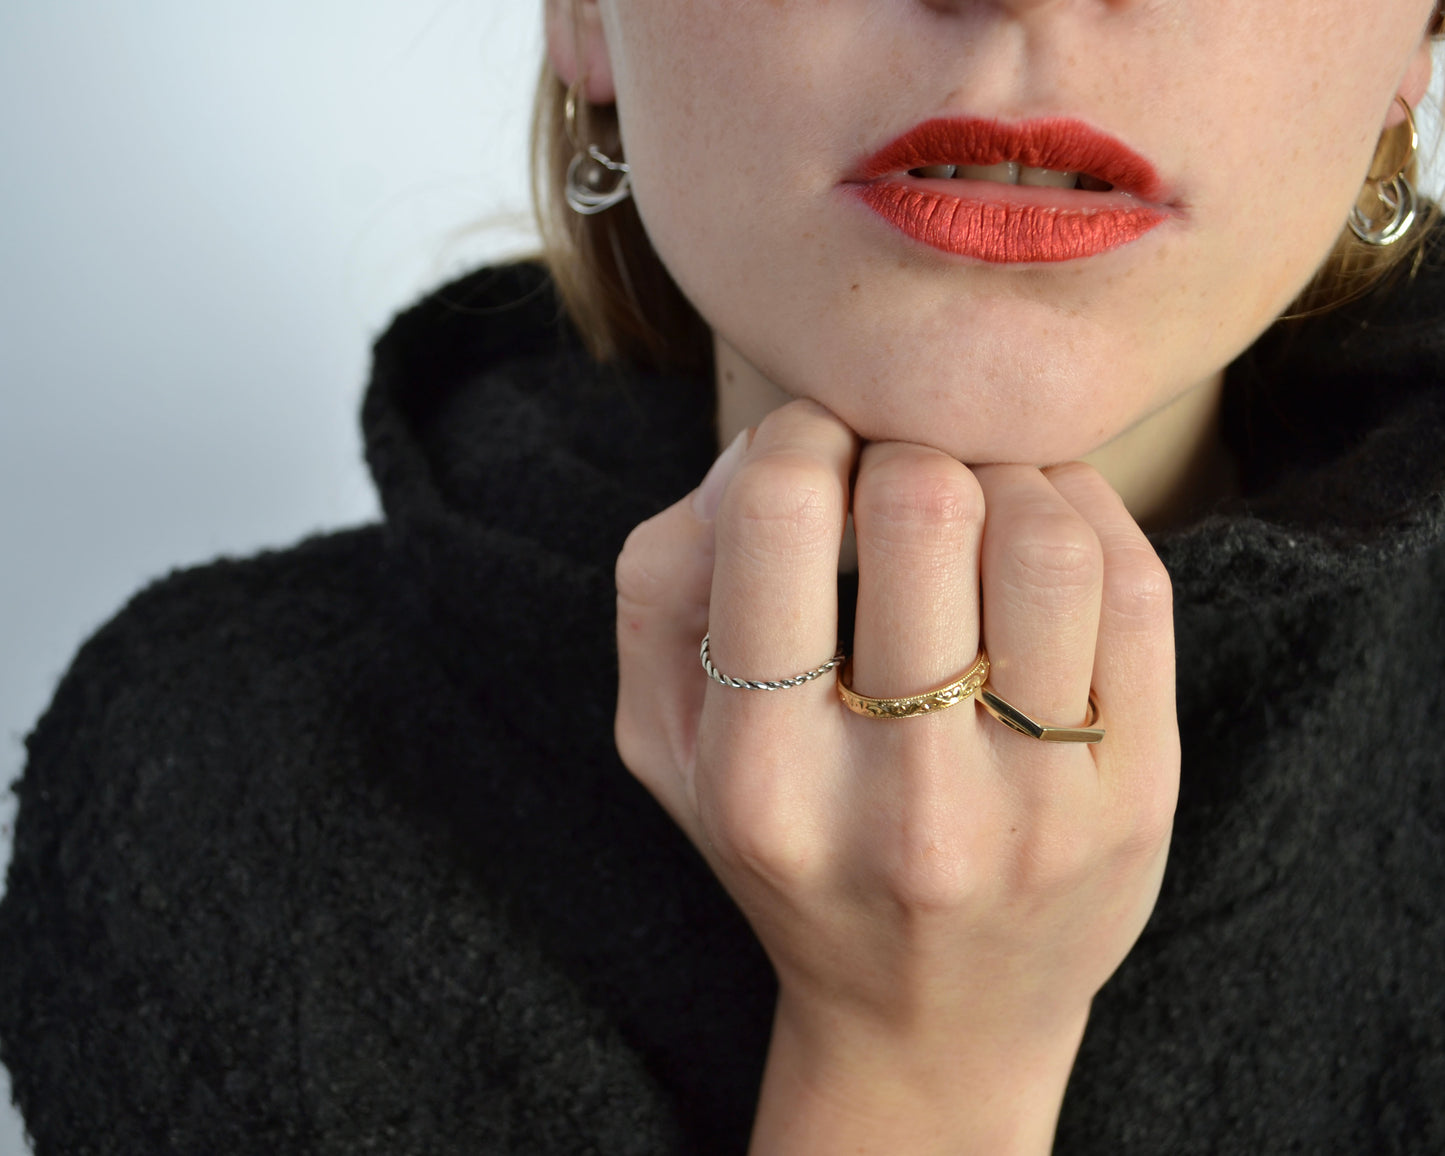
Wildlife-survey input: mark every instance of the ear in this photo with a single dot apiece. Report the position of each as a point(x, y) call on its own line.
point(577, 48)
point(1415, 82)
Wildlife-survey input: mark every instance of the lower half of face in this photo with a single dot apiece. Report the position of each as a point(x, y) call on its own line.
point(1008, 230)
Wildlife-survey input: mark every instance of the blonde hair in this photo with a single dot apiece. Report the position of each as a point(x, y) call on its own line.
point(622, 300)
point(1354, 268)
point(627, 307)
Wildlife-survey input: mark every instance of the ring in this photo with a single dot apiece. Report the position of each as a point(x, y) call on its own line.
point(913, 705)
point(749, 684)
point(1016, 720)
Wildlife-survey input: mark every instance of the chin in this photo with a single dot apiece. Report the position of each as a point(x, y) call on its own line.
point(985, 378)
point(1035, 414)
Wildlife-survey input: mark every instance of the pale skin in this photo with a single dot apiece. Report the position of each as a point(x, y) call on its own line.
point(942, 898)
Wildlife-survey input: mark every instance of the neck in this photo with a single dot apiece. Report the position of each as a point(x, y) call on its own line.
point(1171, 465)
point(1167, 467)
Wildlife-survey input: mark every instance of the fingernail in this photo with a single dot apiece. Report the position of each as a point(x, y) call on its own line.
point(707, 496)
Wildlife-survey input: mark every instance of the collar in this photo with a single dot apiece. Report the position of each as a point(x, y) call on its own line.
point(511, 467)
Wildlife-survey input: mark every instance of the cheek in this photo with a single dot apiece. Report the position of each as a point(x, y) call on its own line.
point(697, 154)
point(1268, 218)
point(1287, 137)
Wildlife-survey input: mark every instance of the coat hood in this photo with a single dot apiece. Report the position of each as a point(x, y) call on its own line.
point(484, 406)
point(512, 466)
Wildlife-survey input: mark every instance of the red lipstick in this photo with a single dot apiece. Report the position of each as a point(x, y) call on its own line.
point(1012, 224)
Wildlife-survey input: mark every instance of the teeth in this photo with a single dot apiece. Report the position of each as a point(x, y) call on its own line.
point(1012, 173)
point(1006, 173)
point(1047, 178)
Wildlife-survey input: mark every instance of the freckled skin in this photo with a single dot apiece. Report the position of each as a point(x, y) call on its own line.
point(741, 120)
point(942, 905)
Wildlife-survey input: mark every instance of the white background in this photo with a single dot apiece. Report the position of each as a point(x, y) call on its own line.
point(207, 211)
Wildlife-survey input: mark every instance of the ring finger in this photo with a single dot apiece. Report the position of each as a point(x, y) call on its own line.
point(1041, 572)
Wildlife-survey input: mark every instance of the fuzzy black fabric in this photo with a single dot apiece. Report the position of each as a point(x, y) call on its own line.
point(328, 850)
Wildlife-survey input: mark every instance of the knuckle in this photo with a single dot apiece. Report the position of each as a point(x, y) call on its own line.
point(638, 573)
point(1076, 473)
point(1150, 818)
point(906, 491)
point(1153, 826)
point(932, 877)
point(636, 742)
point(1137, 587)
point(934, 852)
point(786, 863)
point(628, 736)
point(1052, 863)
point(805, 418)
point(764, 847)
point(1056, 552)
point(784, 503)
point(757, 827)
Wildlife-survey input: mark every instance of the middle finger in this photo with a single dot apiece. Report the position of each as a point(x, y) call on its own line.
point(919, 515)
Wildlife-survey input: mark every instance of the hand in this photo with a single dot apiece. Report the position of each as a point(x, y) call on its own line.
point(941, 897)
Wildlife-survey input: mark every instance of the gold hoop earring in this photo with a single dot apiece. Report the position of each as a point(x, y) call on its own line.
point(587, 189)
point(1394, 193)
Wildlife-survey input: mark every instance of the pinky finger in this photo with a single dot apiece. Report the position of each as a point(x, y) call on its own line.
point(1133, 678)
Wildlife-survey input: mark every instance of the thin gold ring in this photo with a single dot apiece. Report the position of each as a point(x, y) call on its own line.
point(569, 113)
point(962, 688)
point(1016, 720)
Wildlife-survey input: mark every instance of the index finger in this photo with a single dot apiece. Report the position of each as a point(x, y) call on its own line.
point(774, 607)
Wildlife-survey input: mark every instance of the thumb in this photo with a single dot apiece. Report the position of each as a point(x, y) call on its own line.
point(664, 581)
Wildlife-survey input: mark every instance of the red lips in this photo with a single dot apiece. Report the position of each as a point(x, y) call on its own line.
point(1006, 224)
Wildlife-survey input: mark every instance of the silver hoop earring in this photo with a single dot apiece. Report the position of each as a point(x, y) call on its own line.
point(1395, 194)
point(595, 182)
point(586, 180)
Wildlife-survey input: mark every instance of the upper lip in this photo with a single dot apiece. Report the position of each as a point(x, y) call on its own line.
point(1057, 143)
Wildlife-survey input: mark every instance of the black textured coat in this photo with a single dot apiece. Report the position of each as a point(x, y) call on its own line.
point(328, 850)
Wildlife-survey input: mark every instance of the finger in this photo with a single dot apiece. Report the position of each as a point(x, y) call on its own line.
point(1042, 580)
point(764, 786)
point(1134, 656)
point(774, 606)
point(919, 517)
point(664, 580)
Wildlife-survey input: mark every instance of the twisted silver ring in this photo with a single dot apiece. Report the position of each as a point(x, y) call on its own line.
point(749, 684)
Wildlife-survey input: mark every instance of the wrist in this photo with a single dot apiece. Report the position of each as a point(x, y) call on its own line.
point(851, 1086)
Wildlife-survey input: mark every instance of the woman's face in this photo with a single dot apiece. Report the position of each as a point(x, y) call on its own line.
point(999, 323)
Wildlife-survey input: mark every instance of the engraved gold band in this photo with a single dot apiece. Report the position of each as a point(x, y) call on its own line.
point(911, 706)
point(972, 682)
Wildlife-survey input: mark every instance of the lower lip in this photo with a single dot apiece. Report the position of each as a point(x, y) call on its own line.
point(1003, 231)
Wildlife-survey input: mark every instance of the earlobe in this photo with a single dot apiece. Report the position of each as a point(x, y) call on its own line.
point(577, 48)
point(1415, 82)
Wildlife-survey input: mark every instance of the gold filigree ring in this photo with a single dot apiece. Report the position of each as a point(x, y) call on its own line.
point(1016, 720)
point(962, 688)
